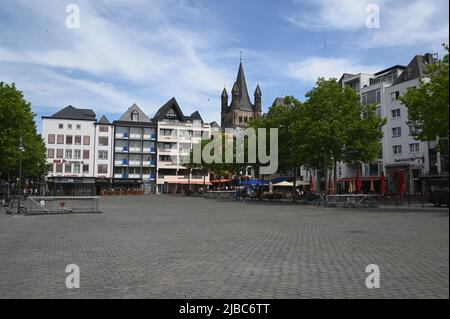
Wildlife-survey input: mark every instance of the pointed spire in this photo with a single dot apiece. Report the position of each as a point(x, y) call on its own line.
point(224, 93)
point(258, 91)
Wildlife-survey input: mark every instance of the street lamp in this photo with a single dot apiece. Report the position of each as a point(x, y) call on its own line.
point(21, 150)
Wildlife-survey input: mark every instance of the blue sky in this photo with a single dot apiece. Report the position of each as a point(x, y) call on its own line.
point(146, 51)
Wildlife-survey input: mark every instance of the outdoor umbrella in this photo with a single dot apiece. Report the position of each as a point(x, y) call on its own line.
point(372, 187)
point(358, 183)
point(311, 184)
point(382, 184)
point(284, 184)
point(401, 183)
point(350, 187)
point(330, 184)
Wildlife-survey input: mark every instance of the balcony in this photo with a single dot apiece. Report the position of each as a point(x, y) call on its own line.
point(151, 150)
point(135, 136)
point(149, 163)
point(135, 163)
point(122, 136)
point(123, 162)
point(135, 150)
point(134, 176)
point(151, 136)
point(150, 177)
point(169, 151)
point(121, 149)
point(168, 138)
point(124, 175)
point(168, 165)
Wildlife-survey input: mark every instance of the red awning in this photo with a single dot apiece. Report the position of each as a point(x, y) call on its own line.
point(352, 179)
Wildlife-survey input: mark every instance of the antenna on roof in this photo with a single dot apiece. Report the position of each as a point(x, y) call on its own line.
point(240, 56)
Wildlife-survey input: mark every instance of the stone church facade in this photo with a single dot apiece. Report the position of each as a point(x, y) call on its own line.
point(240, 111)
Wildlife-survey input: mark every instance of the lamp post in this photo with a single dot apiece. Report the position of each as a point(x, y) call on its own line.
point(21, 150)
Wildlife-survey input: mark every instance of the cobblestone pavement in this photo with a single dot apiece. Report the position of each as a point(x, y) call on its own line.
point(179, 247)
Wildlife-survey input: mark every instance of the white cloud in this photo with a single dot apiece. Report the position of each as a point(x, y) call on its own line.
point(311, 69)
point(330, 14)
point(402, 22)
point(152, 55)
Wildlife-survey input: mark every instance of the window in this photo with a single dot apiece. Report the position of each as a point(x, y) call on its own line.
point(69, 139)
point(69, 126)
point(395, 95)
point(396, 132)
point(58, 168)
point(86, 140)
point(102, 155)
point(134, 116)
point(103, 140)
point(78, 126)
point(397, 149)
point(412, 129)
point(77, 154)
point(85, 154)
point(85, 168)
point(102, 168)
point(240, 119)
point(371, 97)
point(68, 154)
point(60, 139)
point(103, 128)
point(60, 126)
point(414, 148)
point(76, 168)
point(77, 139)
point(68, 168)
point(51, 138)
point(50, 153)
point(59, 153)
point(395, 113)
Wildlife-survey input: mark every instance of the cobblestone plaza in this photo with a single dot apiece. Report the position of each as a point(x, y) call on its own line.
point(188, 247)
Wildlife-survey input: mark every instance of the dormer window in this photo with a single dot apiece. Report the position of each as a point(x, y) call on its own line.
point(134, 116)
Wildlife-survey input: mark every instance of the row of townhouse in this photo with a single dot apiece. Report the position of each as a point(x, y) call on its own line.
point(135, 152)
point(402, 156)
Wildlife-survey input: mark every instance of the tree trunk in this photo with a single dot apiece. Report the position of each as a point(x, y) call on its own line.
point(294, 188)
point(335, 177)
point(8, 187)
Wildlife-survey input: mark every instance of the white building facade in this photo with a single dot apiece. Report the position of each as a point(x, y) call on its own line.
point(73, 152)
point(176, 136)
point(401, 153)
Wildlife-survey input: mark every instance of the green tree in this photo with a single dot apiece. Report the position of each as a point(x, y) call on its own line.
point(287, 118)
point(17, 120)
point(428, 105)
point(336, 127)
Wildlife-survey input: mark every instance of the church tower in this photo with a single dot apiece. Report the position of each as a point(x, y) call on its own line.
point(241, 110)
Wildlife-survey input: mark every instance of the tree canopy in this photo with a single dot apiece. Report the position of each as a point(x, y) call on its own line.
point(428, 105)
point(17, 120)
